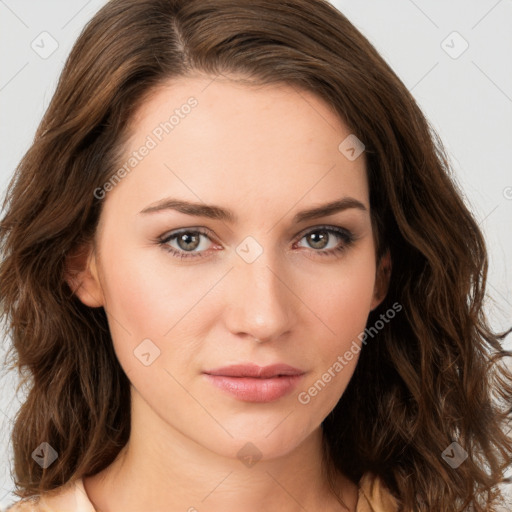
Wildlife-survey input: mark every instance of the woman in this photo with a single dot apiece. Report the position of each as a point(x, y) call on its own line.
point(240, 276)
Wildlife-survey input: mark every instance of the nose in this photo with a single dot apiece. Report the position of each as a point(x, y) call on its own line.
point(262, 304)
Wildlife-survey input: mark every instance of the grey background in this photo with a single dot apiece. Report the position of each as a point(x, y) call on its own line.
point(466, 97)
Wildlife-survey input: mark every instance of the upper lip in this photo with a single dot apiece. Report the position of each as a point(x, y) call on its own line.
point(253, 370)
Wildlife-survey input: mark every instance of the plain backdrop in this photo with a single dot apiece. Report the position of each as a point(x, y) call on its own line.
point(454, 56)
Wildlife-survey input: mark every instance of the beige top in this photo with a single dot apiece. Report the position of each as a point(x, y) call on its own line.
point(373, 497)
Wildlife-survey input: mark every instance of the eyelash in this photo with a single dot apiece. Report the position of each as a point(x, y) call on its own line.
point(347, 237)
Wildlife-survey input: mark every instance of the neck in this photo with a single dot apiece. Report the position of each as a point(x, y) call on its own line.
point(161, 469)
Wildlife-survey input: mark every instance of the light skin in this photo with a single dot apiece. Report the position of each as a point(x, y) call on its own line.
point(265, 153)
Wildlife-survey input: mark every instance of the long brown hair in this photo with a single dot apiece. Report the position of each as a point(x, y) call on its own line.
point(432, 376)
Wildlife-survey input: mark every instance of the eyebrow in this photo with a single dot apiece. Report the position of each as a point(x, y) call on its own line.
point(218, 213)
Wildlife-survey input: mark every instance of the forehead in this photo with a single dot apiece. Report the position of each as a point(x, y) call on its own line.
point(217, 139)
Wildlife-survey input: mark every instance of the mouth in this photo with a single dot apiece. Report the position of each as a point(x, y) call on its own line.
point(255, 371)
point(252, 383)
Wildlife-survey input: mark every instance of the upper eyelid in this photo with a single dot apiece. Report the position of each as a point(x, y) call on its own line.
point(323, 226)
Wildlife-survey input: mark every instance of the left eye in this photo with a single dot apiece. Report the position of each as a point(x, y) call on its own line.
point(189, 240)
point(319, 238)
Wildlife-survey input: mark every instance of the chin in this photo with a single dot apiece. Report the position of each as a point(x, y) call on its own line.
point(251, 444)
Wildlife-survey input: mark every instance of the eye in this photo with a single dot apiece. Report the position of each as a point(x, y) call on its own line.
point(321, 236)
point(188, 243)
point(187, 240)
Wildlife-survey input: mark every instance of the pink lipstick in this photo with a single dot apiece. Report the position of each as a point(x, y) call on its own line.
point(252, 383)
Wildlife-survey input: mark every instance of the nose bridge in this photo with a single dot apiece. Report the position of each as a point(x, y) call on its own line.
point(263, 305)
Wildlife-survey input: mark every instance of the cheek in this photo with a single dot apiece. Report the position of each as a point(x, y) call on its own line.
point(343, 305)
point(146, 294)
point(344, 317)
point(144, 302)
point(343, 302)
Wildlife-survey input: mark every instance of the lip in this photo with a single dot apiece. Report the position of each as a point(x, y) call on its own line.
point(253, 370)
point(252, 383)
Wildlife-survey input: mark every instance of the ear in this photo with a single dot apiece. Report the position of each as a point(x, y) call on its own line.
point(382, 280)
point(80, 272)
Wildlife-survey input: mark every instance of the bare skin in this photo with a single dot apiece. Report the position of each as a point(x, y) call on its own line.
point(266, 153)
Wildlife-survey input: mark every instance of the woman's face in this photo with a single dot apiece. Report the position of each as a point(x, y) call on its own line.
point(265, 284)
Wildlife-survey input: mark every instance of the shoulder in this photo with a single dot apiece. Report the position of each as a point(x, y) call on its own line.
point(374, 496)
point(70, 497)
point(24, 505)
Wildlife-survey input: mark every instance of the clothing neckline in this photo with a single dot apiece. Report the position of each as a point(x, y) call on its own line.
point(373, 496)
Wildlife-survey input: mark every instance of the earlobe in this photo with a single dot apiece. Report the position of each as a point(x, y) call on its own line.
point(382, 279)
point(80, 273)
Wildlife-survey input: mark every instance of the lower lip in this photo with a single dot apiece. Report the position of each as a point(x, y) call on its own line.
point(250, 389)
